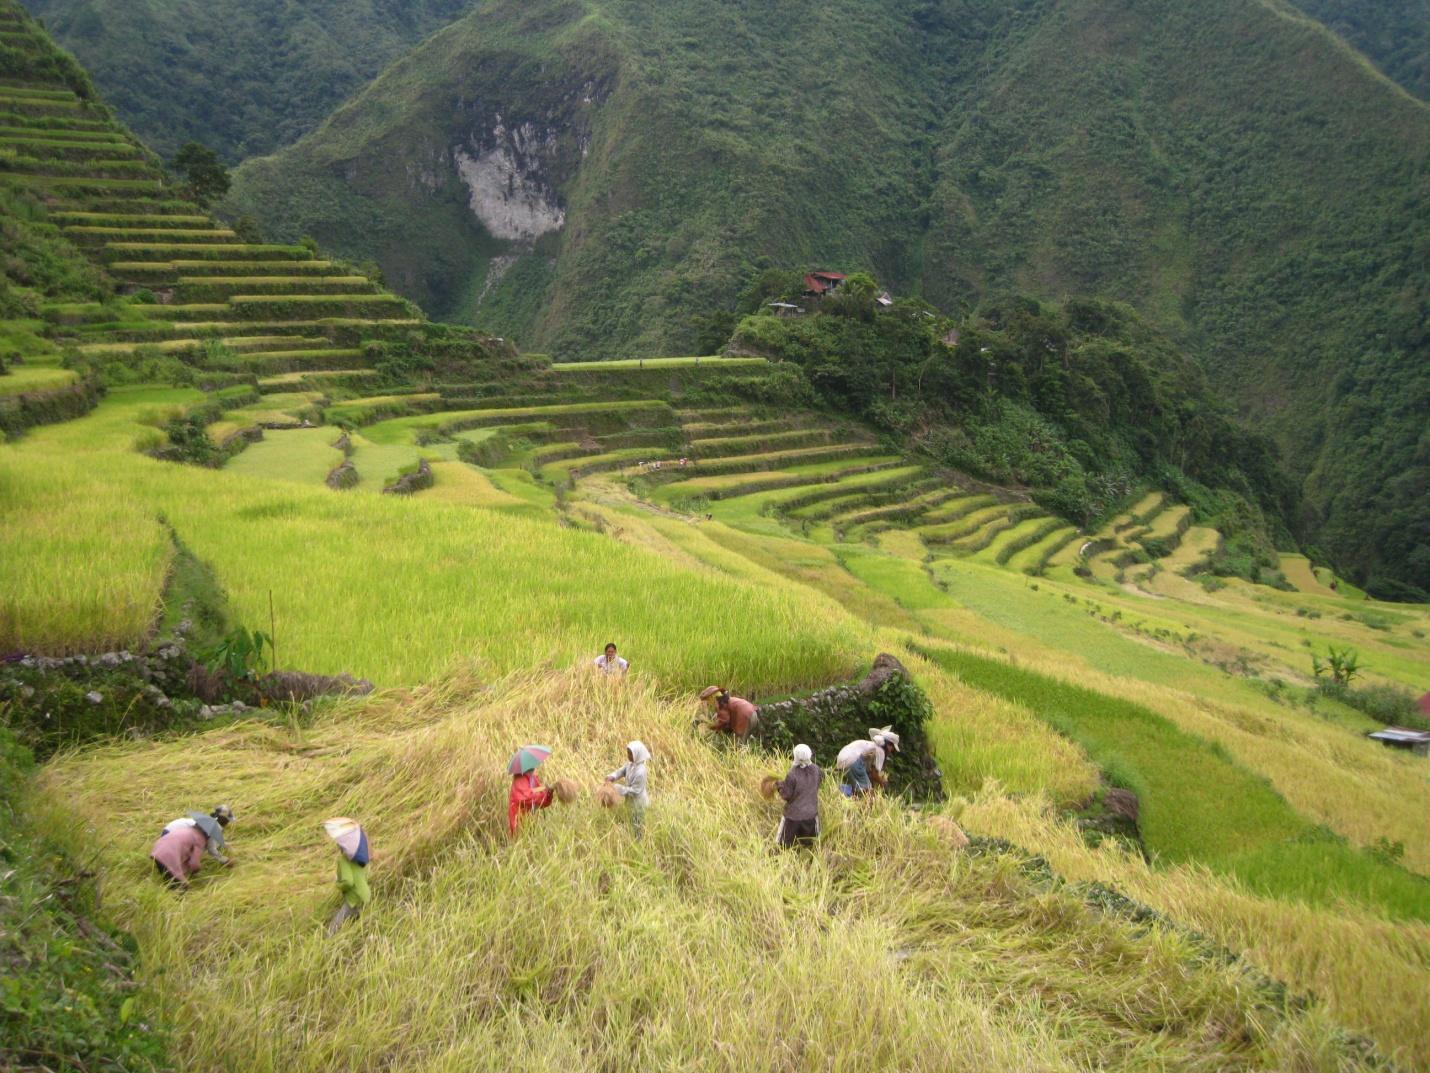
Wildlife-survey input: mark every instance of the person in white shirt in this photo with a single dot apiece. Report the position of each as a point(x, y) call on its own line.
point(610, 662)
point(854, 759)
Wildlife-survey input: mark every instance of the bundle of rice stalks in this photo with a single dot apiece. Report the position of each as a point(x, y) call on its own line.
point(949, 831)
point(767, 787)
point(878, 778)
point(607, 796)
point(566, 790)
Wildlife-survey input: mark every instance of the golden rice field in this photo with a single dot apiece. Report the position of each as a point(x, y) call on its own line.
point(471, 597)
point(700, 947)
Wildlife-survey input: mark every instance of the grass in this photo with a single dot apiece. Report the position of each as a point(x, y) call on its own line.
point(740, 483)
point(667, 929)
point(304, 455)
point(340, 611)
point(24, 378)
point(1198, 804)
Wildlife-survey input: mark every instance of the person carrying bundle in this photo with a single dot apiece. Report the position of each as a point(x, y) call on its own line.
point(634, 791)
point(179, 851)
point(856, 757)
point(800, 789)
point(353, 856)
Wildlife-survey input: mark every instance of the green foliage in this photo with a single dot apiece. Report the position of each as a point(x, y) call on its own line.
point(1339, 669)
point(38, 259)
point(1395, 35)
point(1386, 704)
point(283, 66)
point(241, 654)
point(1079, 402)
point(205, 178)
point(67, 995)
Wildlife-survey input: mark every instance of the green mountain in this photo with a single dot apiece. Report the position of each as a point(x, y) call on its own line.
point(600, 182)
point(241, 76)
point(1393, 33)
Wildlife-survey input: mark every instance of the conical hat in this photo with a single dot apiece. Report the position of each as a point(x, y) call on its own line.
point(346, 833)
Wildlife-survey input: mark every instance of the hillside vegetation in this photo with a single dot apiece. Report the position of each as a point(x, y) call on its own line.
point(600, 186)
point(243, 77)
point(1186, 854)
point(1394, 35)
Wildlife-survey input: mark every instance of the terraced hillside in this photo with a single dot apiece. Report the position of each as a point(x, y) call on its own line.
point(178, 285)
point(1146, 730)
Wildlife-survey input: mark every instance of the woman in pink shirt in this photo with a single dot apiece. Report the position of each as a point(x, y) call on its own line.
point(179, 851)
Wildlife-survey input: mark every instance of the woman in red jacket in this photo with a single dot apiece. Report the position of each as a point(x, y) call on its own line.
point(527, 795)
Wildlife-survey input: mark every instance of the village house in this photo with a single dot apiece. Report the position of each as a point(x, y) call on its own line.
point(819, 283)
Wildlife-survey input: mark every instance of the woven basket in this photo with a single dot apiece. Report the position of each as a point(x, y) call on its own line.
point(607, 796)
point(566, 790)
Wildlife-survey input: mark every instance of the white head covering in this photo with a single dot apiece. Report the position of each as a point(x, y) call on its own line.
point(639, 753)
point(803, 755)
point(884, 736)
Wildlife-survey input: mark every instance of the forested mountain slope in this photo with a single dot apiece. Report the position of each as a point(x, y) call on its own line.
point(241, 76)
point(594, 183)
point(1394, 34)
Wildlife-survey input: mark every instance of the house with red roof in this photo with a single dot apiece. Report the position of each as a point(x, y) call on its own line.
point(819, 283)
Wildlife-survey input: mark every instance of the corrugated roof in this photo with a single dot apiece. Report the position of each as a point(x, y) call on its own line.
point(1401, 734)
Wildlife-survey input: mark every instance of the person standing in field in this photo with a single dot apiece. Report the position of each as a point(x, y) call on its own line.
point(353, 856)
point(856, 758)
point(611, 663)
point(179, 851)
point(800, 789)
point(634, 791)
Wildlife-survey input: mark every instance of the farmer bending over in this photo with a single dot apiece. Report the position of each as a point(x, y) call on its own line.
point(854, 760)
point(527, 793)
point(179, 851)
point(735, 716)
point(800, 790)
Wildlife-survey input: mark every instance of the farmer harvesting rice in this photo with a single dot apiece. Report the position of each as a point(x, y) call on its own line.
point(527, 793)
point(179, 851)
point(854, 759)
point(733, 715)
point(800, 790)
point(353, 856)
point(634, 791)
point(611, 663)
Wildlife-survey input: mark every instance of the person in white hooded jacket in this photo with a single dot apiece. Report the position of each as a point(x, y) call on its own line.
point(634, 791)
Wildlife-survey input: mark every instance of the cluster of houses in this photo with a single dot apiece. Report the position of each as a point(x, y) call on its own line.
point(817, 285)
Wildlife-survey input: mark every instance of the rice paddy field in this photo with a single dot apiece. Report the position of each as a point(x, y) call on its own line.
point(1272, 912)
point(1255, 808)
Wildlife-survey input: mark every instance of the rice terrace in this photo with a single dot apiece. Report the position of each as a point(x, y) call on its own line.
point(738, 541)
